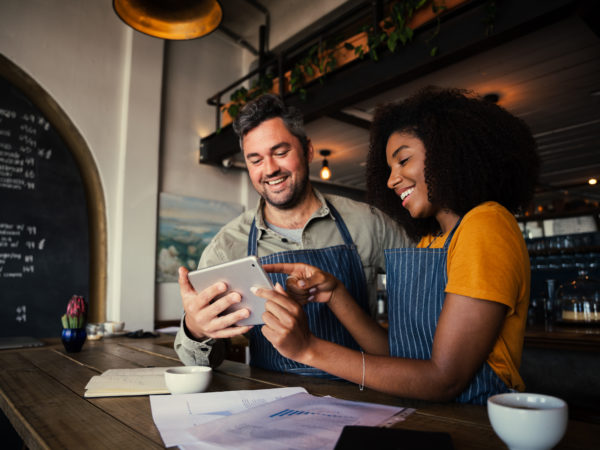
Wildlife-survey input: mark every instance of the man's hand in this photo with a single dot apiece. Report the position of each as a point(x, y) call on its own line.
point(306, 283)
point(285, 325)
point(202, 313)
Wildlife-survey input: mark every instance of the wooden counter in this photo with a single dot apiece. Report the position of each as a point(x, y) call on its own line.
point(41, 393)
point(566, 337)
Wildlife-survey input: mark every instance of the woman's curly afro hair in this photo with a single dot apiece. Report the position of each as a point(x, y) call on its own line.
point(476, 151)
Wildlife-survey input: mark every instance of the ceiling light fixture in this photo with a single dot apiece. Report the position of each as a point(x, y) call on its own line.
point(173, 20)
point(592, 181)
point(325, 173)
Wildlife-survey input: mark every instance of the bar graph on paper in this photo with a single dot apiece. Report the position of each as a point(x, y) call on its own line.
point(295, 412)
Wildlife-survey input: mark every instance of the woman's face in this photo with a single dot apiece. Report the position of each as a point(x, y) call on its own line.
point(405, 156)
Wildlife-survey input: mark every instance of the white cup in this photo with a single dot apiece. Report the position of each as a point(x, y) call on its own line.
point(188, 379)
point(113, 327)
point(528, 421)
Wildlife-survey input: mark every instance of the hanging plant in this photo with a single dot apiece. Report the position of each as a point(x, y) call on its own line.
point(241, 96)
point(437, 9)
point(322, 58)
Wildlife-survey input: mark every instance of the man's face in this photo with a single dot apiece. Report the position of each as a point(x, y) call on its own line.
point(276, 163)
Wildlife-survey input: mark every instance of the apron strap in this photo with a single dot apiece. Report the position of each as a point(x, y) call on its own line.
point(253, 239)
point(339, 222)
point(447, 243)
point(340, 225)
point(449, 239)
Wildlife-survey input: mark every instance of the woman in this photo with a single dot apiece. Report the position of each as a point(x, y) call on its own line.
point(451, 168)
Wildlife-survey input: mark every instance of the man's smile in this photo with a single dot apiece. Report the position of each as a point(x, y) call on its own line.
point(275, 181)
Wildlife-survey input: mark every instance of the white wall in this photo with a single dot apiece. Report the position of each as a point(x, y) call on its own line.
point(195, 70)
point(292, 16)
point(107, 79)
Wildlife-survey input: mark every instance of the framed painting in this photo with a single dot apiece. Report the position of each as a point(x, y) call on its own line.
point(185, 227)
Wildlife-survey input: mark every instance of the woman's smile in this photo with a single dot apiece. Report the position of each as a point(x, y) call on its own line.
point(405, 193)
point(405, 155)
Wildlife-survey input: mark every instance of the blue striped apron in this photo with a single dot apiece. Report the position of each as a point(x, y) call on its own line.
point(416, 281)
point(342, 261)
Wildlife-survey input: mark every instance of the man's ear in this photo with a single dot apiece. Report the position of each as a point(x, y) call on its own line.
point(310, 151)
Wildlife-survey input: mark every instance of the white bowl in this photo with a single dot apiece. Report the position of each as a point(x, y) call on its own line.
point(528, 421)
point(188, 379)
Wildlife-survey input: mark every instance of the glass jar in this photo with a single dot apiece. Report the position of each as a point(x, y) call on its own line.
point(579, 300)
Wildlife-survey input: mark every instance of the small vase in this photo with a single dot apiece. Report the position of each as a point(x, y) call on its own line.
point(73, 339)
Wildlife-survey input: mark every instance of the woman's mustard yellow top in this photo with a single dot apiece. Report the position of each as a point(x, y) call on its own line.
point(488, 260)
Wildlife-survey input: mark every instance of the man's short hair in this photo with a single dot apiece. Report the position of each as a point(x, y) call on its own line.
point(265, 107)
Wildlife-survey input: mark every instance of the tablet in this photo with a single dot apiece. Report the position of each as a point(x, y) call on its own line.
point(240, 275)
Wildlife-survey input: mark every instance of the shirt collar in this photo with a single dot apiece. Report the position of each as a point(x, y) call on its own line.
point(322, 211)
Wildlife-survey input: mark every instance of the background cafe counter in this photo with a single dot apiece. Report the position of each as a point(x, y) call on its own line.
point(41, 393)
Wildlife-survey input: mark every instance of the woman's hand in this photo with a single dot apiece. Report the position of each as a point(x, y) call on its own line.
point(306, 283)
point(285, 325)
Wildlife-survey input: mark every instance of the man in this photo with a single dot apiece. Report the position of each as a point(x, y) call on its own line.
point(292, 223)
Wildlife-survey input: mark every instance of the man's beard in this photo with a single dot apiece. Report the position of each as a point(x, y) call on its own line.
point(296, 196)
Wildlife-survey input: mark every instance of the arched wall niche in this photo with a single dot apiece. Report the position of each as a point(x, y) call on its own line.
point(94, 195)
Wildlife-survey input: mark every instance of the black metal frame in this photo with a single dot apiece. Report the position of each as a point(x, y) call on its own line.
point(463, 33)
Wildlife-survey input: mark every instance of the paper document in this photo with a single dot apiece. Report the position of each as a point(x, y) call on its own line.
point(300, 421)
point(122, 382)
point(176, 416)
point(168, 330)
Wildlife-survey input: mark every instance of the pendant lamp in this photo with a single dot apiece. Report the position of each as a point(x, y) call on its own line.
point(173, 19)
point(325, 172)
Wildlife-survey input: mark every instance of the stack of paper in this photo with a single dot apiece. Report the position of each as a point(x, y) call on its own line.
point(264, 419)
point(177, 416)
point(122, 382)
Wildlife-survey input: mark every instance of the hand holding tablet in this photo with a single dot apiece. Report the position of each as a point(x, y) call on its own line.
point(240, 276)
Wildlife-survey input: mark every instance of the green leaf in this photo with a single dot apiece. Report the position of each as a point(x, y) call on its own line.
point(402, 37)
point(239, 94)
point(433, 51)
point(373, 54)
point(348, 46)
point(309, 71)
point(233, 110)
point(392, 41)
point(359, 51)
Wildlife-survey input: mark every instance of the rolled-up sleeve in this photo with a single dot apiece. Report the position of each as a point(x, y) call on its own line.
point(208, 352)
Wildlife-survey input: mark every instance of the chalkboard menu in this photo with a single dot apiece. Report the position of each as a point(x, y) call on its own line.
point(44, 242)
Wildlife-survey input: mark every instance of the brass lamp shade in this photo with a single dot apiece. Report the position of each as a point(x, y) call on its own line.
point(172, 19)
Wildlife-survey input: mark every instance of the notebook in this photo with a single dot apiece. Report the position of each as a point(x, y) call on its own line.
point(19, 342)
